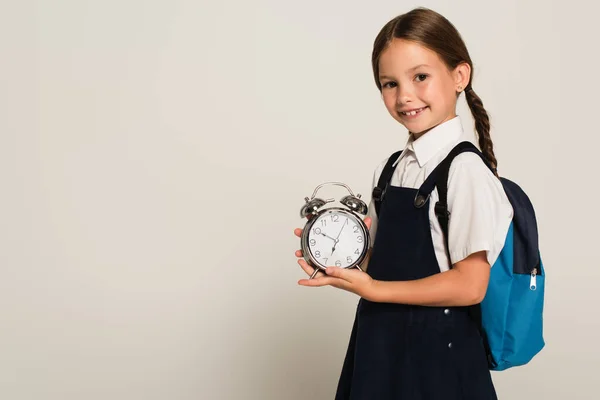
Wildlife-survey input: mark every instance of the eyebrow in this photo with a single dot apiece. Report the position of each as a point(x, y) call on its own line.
point(409, 70)
point(418, 66)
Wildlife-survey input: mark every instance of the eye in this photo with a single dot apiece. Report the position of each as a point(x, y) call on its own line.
point(387, 85)
point(421, 77)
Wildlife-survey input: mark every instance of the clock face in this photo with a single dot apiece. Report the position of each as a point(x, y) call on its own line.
point(337, 238)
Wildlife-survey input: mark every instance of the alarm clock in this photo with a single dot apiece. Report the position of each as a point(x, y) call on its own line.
point(334, 236)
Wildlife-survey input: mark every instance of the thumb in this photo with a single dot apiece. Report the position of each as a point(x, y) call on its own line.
point(336, 272)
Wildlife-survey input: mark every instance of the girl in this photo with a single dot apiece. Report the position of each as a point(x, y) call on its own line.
point(412, 337)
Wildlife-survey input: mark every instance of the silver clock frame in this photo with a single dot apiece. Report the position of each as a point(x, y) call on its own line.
point(306, 252)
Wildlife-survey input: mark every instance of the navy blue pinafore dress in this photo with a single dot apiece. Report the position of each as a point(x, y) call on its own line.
point(408, 352)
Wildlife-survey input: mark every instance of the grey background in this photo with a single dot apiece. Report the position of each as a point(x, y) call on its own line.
point(154, 157)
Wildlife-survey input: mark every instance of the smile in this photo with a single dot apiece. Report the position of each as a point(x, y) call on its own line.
point(413, 112)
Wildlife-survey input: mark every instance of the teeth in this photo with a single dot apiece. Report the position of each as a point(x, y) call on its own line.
point(414, 112)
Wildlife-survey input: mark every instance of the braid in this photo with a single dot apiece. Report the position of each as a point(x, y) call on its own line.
point(482, 126)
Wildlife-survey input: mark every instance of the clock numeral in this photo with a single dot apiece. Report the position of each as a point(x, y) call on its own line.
point(325, 260)
point(359, 239)
point(355, 229)
point(356, 252)
point(313, 242)
point(338, 263)
point(349, 259)
point(324, 222)
point(317, 231)
point(317, 254)
point(335, 218)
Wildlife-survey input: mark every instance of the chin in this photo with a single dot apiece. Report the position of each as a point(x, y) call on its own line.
point(418, 129)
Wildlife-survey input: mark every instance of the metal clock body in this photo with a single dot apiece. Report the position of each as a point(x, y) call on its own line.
point(334, 236)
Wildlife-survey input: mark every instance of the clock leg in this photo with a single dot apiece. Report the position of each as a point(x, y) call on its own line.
point(359, 268)
point(314, 273)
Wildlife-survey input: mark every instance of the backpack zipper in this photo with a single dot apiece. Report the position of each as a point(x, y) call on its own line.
point(533, 280)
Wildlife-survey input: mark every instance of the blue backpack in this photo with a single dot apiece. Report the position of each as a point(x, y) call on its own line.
point(510, 316)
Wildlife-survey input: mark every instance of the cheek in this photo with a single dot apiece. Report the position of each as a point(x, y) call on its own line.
point(390, 101)
point(390, 105)
point(428, 91)
point(434, 93)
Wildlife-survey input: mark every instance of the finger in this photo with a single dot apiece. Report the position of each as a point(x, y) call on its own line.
point(298, 253)
point(298, 232)
point(335, 271)
point(342, 273)
point(368, 221)
point(308, 269)
point(322, 281)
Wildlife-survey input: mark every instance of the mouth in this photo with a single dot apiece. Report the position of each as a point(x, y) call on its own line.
point(413, 112)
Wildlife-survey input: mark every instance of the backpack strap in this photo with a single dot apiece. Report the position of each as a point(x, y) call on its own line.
point(384, 180)
point(439, 178)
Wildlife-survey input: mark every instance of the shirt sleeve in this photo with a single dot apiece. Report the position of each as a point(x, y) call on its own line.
point(480, 212)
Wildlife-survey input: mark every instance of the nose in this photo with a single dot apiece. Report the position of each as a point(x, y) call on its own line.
point(403, 95)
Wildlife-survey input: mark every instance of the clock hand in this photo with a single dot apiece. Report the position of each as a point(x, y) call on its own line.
point(327, 236)
point(336, 239)
point(338, 236)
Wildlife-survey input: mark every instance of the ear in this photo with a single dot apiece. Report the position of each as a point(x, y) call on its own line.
point(461, 75)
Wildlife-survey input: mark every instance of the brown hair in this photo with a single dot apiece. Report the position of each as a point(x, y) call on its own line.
point(435, 32)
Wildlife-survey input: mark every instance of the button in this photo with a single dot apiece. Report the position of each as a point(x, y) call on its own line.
point(450, 345)
point(447, 311)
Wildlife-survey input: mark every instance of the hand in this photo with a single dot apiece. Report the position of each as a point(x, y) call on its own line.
point(360, 286)
point(351, 280)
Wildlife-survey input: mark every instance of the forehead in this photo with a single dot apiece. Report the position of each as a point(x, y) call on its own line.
point(402, 55)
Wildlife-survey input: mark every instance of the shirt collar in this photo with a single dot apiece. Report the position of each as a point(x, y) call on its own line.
point(436, 139)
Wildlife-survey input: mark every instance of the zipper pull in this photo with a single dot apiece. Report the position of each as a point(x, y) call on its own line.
point(533, 280)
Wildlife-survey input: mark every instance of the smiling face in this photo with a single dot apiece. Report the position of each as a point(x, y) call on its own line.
point(418, 89)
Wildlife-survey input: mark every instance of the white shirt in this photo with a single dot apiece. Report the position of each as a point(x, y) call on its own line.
point(480, 213)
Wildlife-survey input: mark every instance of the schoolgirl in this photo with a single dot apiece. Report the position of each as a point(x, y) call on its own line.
point(412, 336)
